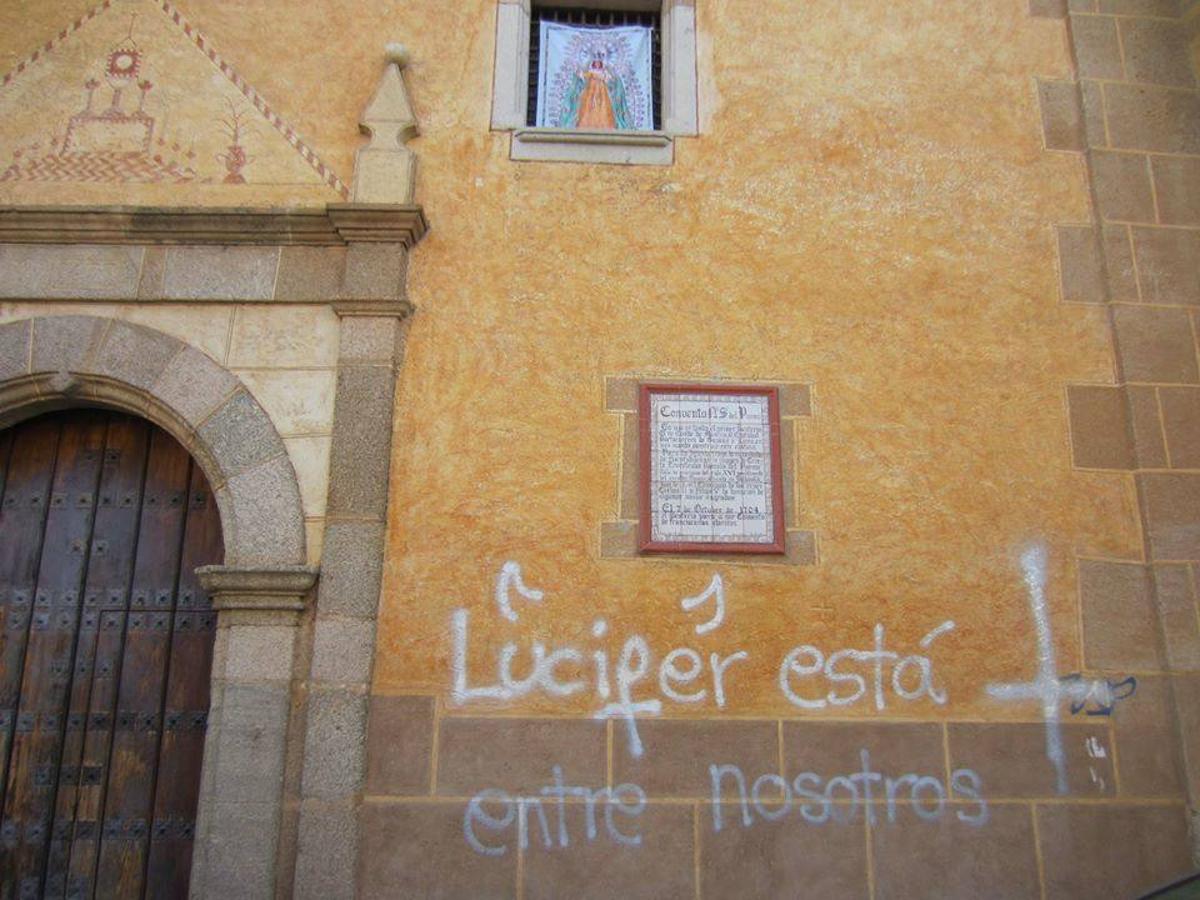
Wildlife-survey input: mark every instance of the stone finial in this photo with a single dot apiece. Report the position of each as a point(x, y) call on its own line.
point(384, 169)
point(396, 53)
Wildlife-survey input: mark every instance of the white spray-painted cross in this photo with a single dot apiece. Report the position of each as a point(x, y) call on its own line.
point(1046, 686)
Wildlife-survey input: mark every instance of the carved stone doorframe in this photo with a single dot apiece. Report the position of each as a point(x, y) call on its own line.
point(53, 362)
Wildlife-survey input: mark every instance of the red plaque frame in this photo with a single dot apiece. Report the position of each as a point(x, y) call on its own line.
point(645, 543)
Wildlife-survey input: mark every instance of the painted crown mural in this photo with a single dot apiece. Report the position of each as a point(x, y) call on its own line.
point(132, 96)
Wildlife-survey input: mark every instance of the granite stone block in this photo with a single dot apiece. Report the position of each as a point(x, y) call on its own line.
point(1181, 424)
point(1171, 505)
point(1100, 434)
point(1122, 185)
point(1177, 609)
point(1118, 616)
point(1146, 847)
point(1156, 345)
point(69, 271)
point(351, 569)
point(1147, 427)
point(1149, 117)
point(1080, 265)
point(1147, 750)
point(948, 858)
point(1097, 49)
point(1177, 188)
point(241, 436)
point(770, 859)
point(220, 273)
point(660, 867)
point(1011, 761)
point(519, 755)
point(399, 744)
point(362, 440)
point(1156, 52)
point(134, 355)
point(335, 743)
point(14, 348)
point(193, 386)
point(1062, 115)
point(64, 343)
point(1168, 264)
point(677, 754)
point(416, 849)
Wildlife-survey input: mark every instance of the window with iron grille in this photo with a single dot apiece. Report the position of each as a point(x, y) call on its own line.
point(598, 19)
point(596, 81)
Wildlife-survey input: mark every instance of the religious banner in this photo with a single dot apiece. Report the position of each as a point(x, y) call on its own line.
point(595, 78)
point(711, 469)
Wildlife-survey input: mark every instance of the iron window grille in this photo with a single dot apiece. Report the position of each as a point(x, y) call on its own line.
point(596, 18)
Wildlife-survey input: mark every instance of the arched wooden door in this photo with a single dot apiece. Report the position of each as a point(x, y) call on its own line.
point(105, 652)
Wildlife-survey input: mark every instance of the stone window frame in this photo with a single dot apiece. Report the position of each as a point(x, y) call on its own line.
point(678, 82)
point(619, 533)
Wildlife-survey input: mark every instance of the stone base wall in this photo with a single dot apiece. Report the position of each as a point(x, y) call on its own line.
point(1122, 830)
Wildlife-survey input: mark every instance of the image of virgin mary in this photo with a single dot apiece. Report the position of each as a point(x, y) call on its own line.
point(596, 99)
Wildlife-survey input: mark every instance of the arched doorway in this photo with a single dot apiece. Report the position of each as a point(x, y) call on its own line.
point(105, 653)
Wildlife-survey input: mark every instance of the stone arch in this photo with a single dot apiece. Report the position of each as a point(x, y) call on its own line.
point(55, 362)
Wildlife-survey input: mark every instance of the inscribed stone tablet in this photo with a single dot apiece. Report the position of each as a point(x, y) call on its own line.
point(711, 469)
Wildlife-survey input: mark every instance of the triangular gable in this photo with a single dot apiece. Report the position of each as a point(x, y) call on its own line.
point(132, 104)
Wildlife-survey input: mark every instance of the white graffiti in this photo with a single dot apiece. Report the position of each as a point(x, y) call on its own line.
point(591, 670)
point(1045, 686)
point(771, 796)
point(495, 820)
point(715, 589)
point(808, 661)
point(510, 577)
point(518, 810)
point(683, 677)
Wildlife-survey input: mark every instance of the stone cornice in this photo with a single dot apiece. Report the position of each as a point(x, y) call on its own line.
point(338, 224)
point(257, 589)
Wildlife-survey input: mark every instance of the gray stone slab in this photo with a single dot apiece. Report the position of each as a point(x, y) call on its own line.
point(375, 272)
point(134, 355)
point(335, 743)
point(193, 386)
point(369, 339)
point(240, 435)
point(63, 343)
point(262, 516)
point(310, 273)
point(240, 860)
point(249, 765)
point(220, 273)
point(14, 348)
point(260, 653)
point(351, 569)
point(326, 857)
point(362, 440)
point(343, 650)
point(154, 265)
point(82, 272)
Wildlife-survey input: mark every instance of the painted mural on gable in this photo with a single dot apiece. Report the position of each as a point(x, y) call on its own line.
point(131, 104)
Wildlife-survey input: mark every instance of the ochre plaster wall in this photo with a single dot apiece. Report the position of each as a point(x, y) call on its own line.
point(869, 210)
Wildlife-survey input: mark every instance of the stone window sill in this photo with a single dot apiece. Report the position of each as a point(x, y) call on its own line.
point(654, 148)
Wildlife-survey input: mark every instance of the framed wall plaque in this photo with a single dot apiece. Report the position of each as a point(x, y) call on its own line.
point(711, 469)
